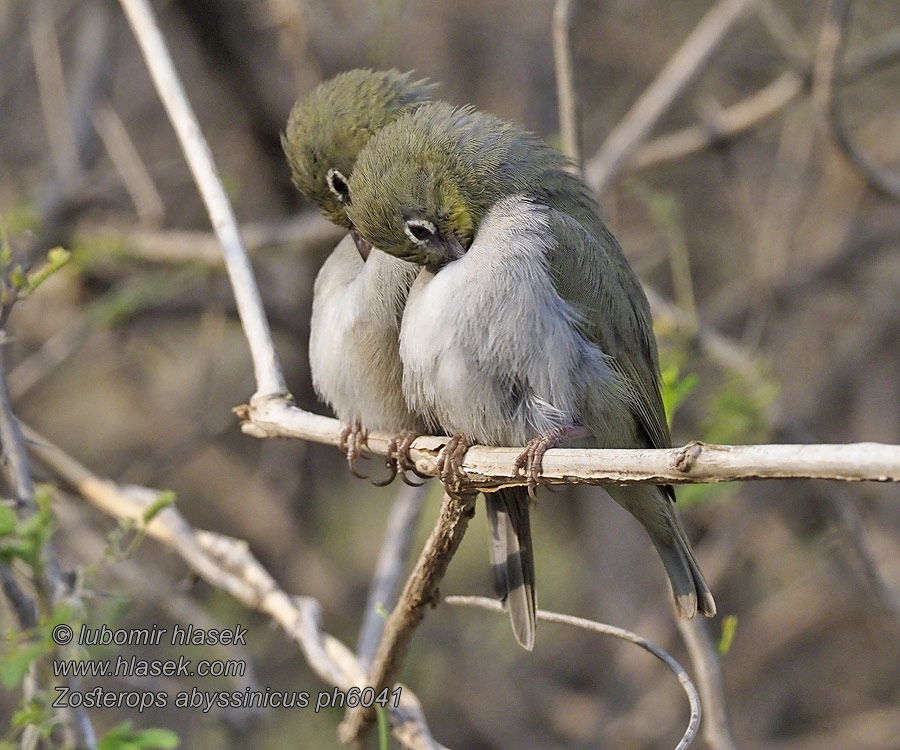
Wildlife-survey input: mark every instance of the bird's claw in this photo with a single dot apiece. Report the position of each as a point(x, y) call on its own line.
point(449, 461)
point(399, 461)
point(530, 462)
point(353, 442)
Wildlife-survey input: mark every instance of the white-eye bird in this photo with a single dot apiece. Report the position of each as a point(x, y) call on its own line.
point(526, 325)
point(359, 292)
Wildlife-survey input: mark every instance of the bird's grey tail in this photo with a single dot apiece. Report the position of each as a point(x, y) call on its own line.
point(656, 512)
point(512, 559)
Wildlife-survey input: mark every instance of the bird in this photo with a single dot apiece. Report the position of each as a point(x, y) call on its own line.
point(526, 325)
point(359, 292)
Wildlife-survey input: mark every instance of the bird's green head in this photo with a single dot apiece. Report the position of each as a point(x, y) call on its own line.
point(423, 184)
point(327, 130)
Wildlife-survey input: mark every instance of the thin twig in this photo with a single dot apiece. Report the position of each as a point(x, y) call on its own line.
point(178, 246)
point(746, 114)
point(419, 594)
point(269, 380)
point(135, 177)
point(228, 564)
point(564, 12)
point(673, 79)
point(52, 88)
point(385, 587)
point(684, 678)
point(717, 725)
point(491, 468)
point(728, 123)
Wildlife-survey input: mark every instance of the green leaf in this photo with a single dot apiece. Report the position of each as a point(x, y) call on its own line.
point(15, 665)
point(8, 520)
point(165, 499)
point(729, 628)
point(56, 259)
point(125, 737)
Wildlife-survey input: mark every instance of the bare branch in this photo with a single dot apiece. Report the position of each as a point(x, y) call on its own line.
point(727, 123)
point(564, 12)
point(228, 564)
point(671, 82)
point(491, 468)
point(269, 379)
point(419, 593)
point(492, 605)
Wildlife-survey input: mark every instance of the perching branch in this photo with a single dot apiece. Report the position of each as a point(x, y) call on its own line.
point(491, 468)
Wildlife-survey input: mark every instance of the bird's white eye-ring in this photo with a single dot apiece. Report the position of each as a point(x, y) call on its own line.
point(337, 184)
point(420, 230)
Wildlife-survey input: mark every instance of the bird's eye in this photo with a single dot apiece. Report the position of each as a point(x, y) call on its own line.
point(420, 230)
point(337, 184)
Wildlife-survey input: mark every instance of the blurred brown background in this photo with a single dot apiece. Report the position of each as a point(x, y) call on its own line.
point(131, 359)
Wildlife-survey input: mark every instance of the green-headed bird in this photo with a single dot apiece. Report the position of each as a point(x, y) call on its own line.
point(359, 292)
point(526, 326)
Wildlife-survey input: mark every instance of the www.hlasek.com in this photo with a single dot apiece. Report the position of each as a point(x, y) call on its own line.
point(205, 700)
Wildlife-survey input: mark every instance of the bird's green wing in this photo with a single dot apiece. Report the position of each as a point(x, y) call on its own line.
point(591, 273)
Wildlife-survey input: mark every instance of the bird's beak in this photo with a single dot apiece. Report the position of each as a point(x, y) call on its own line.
point(455, 247)
point(362, 245)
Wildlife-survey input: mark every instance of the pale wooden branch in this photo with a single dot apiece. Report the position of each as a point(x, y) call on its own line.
point(491, 468)
point(564, 12)
point(492, 605)
point(227, 564)
point(671, 82)
point(419, 594)
point(267, 369)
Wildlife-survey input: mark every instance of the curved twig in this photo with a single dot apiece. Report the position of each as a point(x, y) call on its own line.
point(492, 605)
point(831, 48)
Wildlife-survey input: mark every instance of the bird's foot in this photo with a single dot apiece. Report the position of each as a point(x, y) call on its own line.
point(449, 461)
point(354, 439)
point(530, 462)
point(399, 460)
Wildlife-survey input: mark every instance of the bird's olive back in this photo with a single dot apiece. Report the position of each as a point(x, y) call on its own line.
point(327, 130)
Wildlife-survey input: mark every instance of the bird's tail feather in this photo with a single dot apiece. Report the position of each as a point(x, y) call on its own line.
point(656, 512)
point(512, 558)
